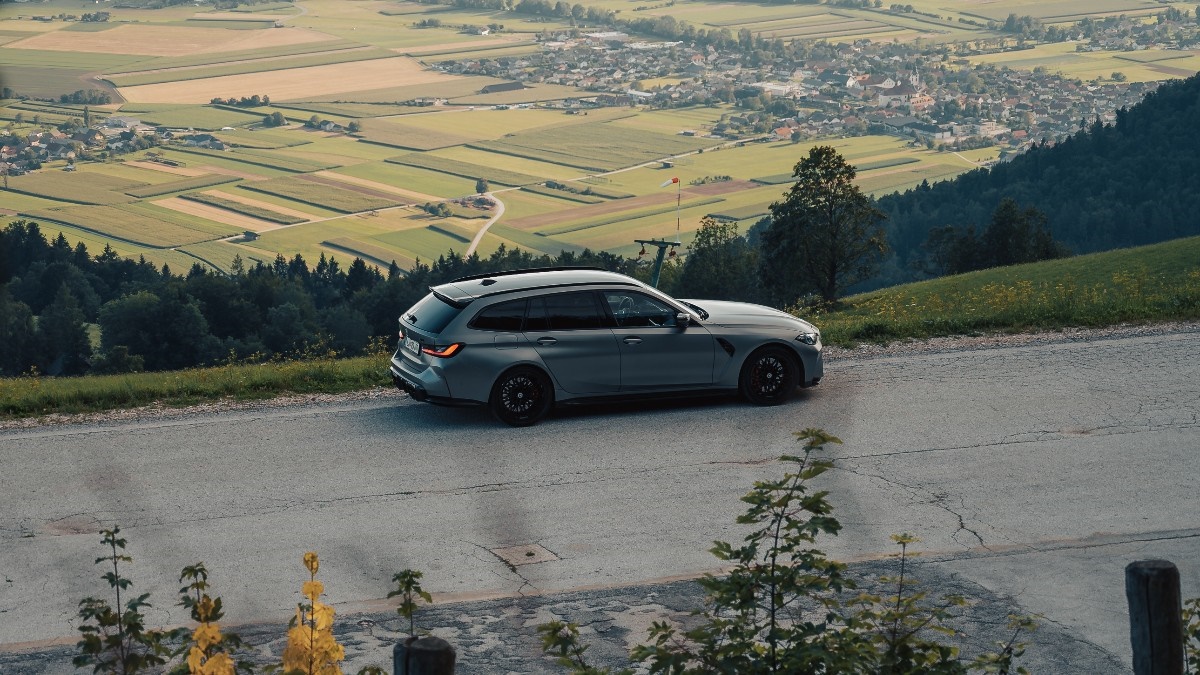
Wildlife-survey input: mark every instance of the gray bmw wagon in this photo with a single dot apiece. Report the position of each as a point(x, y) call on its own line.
point(522, 341)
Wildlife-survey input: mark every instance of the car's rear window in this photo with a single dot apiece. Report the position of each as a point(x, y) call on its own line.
point(564, 311)
point(432, 314)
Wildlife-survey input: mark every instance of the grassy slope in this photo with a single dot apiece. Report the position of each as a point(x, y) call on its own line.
point(1152, 283)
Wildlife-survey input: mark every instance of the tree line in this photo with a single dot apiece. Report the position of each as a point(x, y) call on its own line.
point(150, 318)
point(1110, 185)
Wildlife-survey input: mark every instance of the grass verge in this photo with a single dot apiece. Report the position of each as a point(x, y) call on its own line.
point(35, 396)
point(1155, 283)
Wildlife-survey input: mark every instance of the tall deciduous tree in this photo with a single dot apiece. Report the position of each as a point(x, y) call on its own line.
point(824, 236)
point(720, 265)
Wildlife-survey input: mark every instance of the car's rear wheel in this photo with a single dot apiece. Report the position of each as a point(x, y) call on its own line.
point(769, 376)
point(521, 396)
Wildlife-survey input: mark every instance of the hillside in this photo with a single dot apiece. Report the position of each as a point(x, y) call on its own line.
point(1127, 183)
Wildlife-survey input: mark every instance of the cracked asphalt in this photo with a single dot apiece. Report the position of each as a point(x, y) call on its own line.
point(1032, 474)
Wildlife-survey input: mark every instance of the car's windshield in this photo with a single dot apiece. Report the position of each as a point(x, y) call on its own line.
point(699, 310)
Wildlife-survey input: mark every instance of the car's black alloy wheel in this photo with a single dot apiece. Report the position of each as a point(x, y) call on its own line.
point(769, 376)
point(521, 396)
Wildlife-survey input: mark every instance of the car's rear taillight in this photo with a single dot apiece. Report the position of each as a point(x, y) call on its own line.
point(443, 352)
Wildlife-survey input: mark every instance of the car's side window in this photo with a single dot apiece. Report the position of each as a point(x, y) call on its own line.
point(636, 310)
point(564, 311)
point(506, 316)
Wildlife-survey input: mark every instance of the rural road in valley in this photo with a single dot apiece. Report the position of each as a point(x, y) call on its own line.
point(1032, 474)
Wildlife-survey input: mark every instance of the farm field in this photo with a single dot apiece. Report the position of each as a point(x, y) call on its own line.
point(1062, 58)
point(294, 83)
point(360, 61)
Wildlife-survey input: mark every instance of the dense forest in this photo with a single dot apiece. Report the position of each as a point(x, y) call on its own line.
point(51, 294)
point(1127, 183)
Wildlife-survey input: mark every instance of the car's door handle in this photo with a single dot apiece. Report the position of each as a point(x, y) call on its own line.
point(633, 340)
point(546, 341)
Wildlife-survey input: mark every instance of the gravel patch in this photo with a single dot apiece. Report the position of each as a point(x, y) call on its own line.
point(956, 343)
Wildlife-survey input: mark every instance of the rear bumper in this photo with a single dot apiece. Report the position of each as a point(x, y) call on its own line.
point(420, 391)
point(413, 389)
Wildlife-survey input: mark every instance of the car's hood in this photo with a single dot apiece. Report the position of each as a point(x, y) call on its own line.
point(726, 313)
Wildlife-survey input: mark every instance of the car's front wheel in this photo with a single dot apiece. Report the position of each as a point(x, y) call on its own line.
point(521, 396)
point(769, 376)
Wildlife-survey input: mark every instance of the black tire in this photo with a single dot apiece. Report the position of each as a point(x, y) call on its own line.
point(521, 396)
point(769, 376)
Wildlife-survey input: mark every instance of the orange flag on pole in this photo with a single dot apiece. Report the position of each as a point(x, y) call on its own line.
point(669, 182)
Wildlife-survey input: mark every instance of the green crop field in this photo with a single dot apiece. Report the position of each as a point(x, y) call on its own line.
point(77, 61)
point(180, 185)
point(1062, 58)
point(432, 162)
point(256, 157)
point(372, 254)
point(433, 183)
point(216, 161)
point(608, 219)
point(878, 186)
point(319, 194)
point(1066, 10)
point(594, 147)
point(533, 94)
point(353, 110)
point(199, 117)
point(449, 89)
point(144, 226)
point(425, 243)
point(80, 187)
point(220, 254)
point(282, 159)
point(212, 58)
point(246, 209)
point(399, 135)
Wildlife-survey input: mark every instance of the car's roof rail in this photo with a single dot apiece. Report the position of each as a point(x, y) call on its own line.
point(528, 270)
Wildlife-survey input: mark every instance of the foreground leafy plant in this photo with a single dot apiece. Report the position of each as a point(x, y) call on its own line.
point(209, 652)
point(1191, 635)
point(115, 640)
point(408, 587)
point(311, 648)
point(780, 608)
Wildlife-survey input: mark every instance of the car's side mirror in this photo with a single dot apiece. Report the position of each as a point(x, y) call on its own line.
point(682, 319)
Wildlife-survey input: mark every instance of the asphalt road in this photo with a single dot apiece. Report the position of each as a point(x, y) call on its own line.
point(1032, 475)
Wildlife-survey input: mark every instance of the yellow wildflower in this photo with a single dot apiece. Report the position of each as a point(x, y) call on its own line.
point(310, 561)
point(313, 590)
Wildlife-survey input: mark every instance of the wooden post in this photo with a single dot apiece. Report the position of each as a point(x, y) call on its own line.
point(1155, 620)
point(423, 656)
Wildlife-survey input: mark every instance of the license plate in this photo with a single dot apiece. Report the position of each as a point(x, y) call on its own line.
point(412, 345)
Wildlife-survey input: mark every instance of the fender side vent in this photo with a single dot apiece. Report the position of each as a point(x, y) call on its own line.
point(726, 345)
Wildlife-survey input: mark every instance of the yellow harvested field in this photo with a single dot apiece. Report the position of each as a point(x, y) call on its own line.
point(261, 204)
point(177, 170)
point(293, 83)
point(26, 25)
point(151, 40)
point(416, 197)
point(219, 215)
